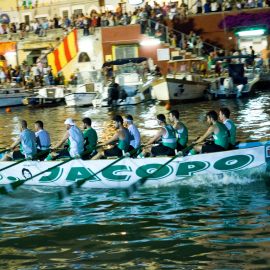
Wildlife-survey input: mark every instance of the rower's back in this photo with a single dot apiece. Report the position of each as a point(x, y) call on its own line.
point(168, 138)
point(124, 139)
point(181, 133)
point(76, 141)
point(220, 135)
point(232, 130)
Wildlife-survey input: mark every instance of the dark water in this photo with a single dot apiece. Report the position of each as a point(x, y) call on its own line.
point(197, 225)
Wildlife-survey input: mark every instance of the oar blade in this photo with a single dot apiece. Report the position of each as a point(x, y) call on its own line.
point(66, 191)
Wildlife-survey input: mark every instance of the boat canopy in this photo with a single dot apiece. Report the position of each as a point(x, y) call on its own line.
point(124, 61)
point(246, 56)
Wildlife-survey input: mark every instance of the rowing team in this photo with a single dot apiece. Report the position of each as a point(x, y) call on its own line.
point(84, 144)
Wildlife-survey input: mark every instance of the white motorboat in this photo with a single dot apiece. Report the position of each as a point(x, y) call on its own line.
point(88, 85)
point(236, 81)
point(80, 95)
point(50, 95)
point(129, 87)
point(182, 83)
point(13, 96)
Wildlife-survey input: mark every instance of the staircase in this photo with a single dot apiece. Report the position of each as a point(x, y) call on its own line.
point(176, 52)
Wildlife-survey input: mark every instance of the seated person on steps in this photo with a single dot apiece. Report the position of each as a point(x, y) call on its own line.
point(219, 132)
point(168, 139)
point(121, 138)
point(180, 129)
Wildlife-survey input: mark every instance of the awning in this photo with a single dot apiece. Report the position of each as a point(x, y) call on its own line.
point(7, 47)
point(125, 61)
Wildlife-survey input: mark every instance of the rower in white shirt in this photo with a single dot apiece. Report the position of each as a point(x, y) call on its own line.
point(135, 137)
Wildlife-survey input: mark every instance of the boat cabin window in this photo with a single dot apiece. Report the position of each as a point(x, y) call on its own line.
point(90, 87)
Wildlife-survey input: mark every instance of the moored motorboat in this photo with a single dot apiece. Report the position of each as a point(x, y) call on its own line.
point(52, 95)
point(13, 96)
point(84, 90)
point(235, 81)
point(182, 83)
point(176, 89)
point(130, 85)
point(250, 157)
point(80, 95)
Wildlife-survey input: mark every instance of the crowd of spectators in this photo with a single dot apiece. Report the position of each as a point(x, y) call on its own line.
point(156, 13)
point(30, 76)
point(228, 5)
point(152, 19)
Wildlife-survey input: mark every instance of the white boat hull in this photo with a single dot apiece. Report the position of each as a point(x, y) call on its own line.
point(217, 90)
point(137, 99)
point(13, 99)
point(171, 89)
point(127, 171)
point(79, 99)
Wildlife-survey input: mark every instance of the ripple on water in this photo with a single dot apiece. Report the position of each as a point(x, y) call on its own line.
point(205, 223)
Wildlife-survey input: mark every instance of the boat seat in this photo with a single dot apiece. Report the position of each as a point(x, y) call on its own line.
point(124, 153)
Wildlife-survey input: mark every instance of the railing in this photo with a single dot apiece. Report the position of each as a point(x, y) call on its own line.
point(162, 32)
point(51, 34)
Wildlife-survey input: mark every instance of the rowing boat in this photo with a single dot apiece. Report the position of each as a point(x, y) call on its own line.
point(249, 158)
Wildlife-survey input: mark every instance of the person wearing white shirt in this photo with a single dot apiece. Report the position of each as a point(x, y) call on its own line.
point(135, 140)
point(75, 139)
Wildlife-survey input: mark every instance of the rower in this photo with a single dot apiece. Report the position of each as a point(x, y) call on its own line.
point(219, 132)
point(42, 136)
point(122, 138)
point(90, 138)
point(27, 141)
point(224, 115)
point(74, 137)
point(135, 137)
point(180, 129)
point(168, 139)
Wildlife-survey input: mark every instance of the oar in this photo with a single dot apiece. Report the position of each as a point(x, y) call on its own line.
point(4, 150)
point(135, 186)
point(22, 160)
point(6, 189)
point(66, 191)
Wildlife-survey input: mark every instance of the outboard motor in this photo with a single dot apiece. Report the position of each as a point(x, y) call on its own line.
point(228, 84)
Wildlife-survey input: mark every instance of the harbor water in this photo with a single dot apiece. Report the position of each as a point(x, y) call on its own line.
point(199, 224)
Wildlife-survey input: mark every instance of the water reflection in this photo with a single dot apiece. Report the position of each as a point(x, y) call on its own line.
point(251, 116)
point(203, 223)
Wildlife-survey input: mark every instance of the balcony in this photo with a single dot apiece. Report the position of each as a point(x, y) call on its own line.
point(51, 35)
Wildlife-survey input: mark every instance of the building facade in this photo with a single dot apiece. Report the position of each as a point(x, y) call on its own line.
point(27, 10)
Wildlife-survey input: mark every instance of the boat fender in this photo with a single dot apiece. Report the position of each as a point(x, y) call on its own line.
point(228, 84)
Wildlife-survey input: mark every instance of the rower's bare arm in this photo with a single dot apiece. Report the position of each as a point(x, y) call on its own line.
point(155, 138)
point(111, 140)
point(64, 139)
point(17, 142)
point(208, 133)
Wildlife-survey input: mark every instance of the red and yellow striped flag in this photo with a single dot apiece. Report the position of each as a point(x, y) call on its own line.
point(64, 53)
